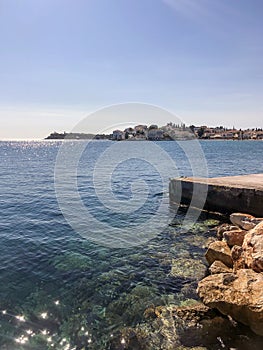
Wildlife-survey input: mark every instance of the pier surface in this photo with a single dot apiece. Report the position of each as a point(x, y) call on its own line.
point(222, 194)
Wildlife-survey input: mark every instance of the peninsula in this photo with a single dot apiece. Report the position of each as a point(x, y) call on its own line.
point(169, 132)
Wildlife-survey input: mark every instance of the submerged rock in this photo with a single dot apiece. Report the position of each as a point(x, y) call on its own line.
point(72, 261)
point(219, 251)
point(195, 313)
point(253, 248)
point(165, 328)
point(211, 222)
point(130, 306)
point(187, 268)
point(239, 295)
point(195, 327)
point(158, 333)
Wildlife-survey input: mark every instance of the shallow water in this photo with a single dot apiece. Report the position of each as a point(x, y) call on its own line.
point(58, 288)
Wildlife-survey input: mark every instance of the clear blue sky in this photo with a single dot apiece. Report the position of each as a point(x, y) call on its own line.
point(61, 59)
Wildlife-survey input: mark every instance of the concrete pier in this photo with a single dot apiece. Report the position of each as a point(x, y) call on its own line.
point(223, 194)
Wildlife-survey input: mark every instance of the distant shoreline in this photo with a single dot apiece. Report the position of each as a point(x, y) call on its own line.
point(108, 138)
point(168, 132)
point(93, 139)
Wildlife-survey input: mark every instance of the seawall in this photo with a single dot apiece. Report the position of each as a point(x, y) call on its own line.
point(223, 194)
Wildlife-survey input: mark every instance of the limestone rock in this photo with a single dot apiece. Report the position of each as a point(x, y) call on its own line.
point(219, 250)
point(208, 242)
point(234, 237)
point(219, 267)
point(244, 221)
point(223, 228)
point(253, 248)
point(239, 295)
point(241, 219)
point(238, 258)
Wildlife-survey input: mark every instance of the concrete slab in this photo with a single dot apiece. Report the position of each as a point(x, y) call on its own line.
point(223, 194)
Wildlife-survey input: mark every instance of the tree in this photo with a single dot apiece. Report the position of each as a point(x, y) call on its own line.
point(192, 128)
point(200, 132)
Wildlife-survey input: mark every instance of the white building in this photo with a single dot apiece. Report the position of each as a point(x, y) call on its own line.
point(118, 135)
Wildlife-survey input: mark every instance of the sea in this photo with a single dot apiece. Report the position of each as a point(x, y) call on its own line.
point(89, 242)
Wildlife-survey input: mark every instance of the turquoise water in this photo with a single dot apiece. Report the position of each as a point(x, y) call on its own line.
point(59, 289)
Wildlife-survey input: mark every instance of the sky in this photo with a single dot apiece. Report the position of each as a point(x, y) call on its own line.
point(61, 60)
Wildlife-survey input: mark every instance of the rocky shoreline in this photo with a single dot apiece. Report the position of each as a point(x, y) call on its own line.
point(235, 286)
point(230, 312)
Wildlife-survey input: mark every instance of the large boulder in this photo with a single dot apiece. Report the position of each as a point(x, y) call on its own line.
point(239, 295)
point(234, 237)
point(244, 221)
point(253, 248)
point(219, 250)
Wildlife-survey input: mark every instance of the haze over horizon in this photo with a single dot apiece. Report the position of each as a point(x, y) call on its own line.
point(61, 60)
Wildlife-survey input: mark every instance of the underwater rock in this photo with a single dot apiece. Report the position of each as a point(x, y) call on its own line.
point(164, 259)
point(219, 250)
point(187, 268)
point(253, 248)
point(72, 261)
point(195, 327)
point(239, 295)
point(211, 222)
point(129, 307)
point(198, 227)
point(195, 313)
point(219, 267)
point(188, 291)
point(163, 328)
point(180, 250)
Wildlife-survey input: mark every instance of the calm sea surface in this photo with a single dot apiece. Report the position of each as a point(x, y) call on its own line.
point(61, 287)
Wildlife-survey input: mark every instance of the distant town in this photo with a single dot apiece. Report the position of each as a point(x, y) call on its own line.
point(168, 132)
